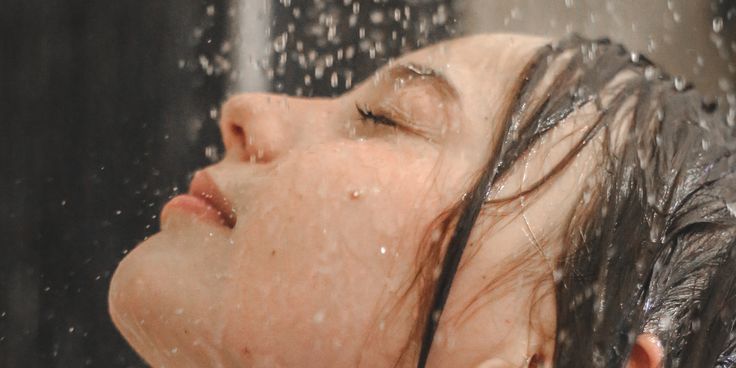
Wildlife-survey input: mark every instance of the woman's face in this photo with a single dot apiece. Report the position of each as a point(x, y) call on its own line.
point(330, 207)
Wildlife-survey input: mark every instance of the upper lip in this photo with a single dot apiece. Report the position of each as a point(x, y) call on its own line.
point(204, 187)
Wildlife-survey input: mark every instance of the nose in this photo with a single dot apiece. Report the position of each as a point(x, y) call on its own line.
point(254, 127)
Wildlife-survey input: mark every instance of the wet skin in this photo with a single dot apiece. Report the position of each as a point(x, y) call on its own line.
point(331, 199)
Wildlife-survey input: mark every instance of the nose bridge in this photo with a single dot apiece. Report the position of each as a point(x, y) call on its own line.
point(256, 127)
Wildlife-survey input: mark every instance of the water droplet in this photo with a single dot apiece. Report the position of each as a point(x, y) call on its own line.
point(319, 317)
point(174, 350)
point(333, 80)
point(569, 3)
point(717, 24)
point(210, 10)
point(211, 153)
point(650, 73)
point(731, 206)
point(376, 17)
point(635, 57)
point(680, 84)
point(71, 329)
point(179, 311)
point(695, 325)
point(383, 250)
point(279, 43)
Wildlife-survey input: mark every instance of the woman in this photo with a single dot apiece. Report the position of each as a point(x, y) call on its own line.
point(492, 201)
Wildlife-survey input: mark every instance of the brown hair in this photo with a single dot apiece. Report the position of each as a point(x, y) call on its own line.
point(653, 246)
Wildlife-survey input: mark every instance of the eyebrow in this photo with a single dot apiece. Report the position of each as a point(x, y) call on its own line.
point(416, 72)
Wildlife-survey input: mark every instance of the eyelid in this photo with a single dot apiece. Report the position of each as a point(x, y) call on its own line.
point(429, 131)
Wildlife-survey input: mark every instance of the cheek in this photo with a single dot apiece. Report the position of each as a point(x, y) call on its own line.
point(325, 242)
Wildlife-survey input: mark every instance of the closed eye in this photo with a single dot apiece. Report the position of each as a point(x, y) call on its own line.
point(367, 114)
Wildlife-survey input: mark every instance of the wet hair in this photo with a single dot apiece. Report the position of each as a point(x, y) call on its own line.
point(652, 246)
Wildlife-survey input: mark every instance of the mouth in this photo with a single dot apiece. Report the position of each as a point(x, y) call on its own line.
point(203, 200)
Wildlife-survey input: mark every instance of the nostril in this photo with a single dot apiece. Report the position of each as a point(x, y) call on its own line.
point(238, 134)
point(243, 143)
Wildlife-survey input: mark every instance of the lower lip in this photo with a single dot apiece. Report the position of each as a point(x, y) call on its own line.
point(193, 205)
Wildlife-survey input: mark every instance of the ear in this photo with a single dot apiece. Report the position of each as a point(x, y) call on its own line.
point(647, 352)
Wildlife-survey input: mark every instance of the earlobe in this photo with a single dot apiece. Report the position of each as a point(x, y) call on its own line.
point(646, 353)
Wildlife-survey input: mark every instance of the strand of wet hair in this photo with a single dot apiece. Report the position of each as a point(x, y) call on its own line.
point(545, 116)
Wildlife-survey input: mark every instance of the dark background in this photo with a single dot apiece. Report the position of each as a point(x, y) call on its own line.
point(105, 110)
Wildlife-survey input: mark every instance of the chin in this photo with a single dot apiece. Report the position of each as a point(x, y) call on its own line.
point(164, 295)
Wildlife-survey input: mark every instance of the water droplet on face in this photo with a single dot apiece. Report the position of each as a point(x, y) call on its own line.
point(635, 57)
point(319, 317)
point(383, 250)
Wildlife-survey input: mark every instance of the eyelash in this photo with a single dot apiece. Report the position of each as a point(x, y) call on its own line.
point(367, 114)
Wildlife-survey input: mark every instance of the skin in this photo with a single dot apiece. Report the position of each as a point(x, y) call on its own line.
point(331, 210)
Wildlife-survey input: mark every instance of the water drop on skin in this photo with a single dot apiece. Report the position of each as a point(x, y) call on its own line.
point(355, 194)
point(383, 250)
point(319, 317)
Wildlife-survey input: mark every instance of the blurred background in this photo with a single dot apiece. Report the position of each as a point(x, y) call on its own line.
point(107, 108)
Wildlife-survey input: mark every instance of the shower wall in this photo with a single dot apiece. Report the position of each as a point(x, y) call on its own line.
point(694, 39)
